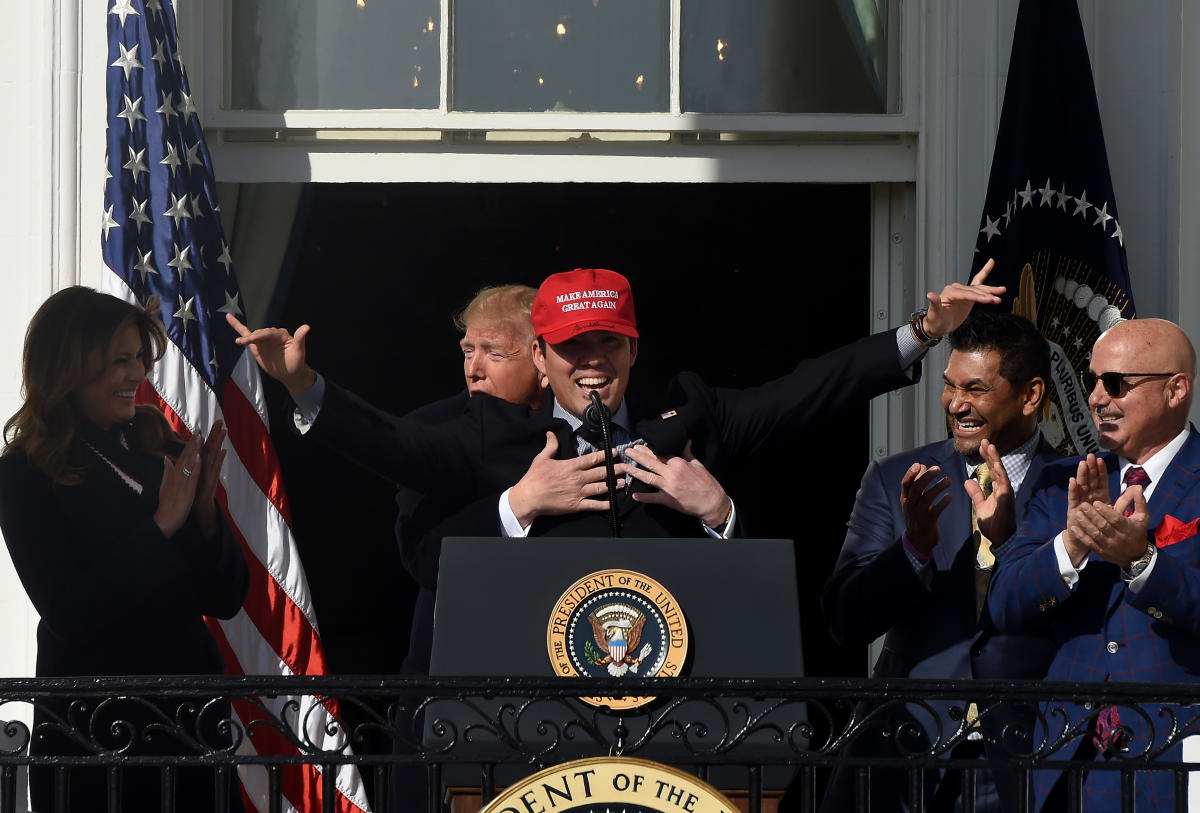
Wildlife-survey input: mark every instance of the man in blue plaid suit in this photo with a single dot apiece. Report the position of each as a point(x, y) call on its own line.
point(1108, 554)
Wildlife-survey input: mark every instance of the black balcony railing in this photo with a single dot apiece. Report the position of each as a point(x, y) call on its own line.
point(735, 733)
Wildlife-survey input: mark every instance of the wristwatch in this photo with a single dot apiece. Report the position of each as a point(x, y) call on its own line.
point(1138, 566)
point(916, 326)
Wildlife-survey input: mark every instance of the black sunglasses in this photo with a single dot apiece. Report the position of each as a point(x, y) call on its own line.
point(1112, 381)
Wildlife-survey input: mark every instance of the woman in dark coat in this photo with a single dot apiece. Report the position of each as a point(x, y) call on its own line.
point(112, 526)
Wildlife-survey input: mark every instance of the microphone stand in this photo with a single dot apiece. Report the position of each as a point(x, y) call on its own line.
point(596, 418)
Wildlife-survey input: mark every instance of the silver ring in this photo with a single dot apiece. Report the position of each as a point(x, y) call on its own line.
point(186, 471)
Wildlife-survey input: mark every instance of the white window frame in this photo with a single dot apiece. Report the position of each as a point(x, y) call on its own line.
point(214, 22)
point(883, 150)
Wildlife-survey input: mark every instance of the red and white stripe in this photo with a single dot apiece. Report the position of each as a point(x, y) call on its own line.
point(275, 633)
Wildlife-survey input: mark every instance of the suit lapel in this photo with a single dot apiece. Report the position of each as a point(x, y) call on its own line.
point(567, 447)
point(955, 522)
point(1177, 482)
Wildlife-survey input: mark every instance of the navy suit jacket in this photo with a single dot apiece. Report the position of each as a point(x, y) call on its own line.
point(930, 632)
point(1156, 631)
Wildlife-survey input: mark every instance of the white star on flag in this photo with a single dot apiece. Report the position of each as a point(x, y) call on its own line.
point(145, 265)
point(171, 162)
point(127, 61)
point(231, 305)
point(1026, 195)
point(1048, 194)
point(1081, 206)
point(181, 262)
point(178, 210)
point(136, 165)
point(167, 110)
point(109, 222)
point(225, 259)
point(185, 311)
point(132, 112)
point(1064, 198)
point(137, 213)
point(990, 228)
point(123, 8)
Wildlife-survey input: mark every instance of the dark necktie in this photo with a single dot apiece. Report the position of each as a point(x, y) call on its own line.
point(1135, 476)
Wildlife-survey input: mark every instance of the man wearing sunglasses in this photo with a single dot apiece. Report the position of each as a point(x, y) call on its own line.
point(1109, 556)
point(916, 561)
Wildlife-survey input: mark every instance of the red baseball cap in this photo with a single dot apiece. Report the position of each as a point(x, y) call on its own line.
point(574, 302)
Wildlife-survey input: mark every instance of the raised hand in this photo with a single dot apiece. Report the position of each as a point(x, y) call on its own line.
point(683, 484)
point(212, 455)
point(177, 492)
point(948, 309)
point(1088, 487)
point(1108, 533)
point(996, 514)
point(552, 486)
point(280, 354)
point(920, 490)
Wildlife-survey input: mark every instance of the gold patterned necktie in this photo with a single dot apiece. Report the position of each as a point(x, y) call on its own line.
point(985, 560)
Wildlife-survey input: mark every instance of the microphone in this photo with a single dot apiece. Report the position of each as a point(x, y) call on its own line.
point(595, 415)
point(596, 419)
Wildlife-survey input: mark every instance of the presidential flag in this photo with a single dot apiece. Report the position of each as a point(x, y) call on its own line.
point(162, 236)
point(1050, 217)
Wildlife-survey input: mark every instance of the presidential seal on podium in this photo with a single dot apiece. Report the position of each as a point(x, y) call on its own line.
point(617, 623)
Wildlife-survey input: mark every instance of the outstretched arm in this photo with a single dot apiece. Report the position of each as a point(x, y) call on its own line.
point(280, 354)
point(950, 308)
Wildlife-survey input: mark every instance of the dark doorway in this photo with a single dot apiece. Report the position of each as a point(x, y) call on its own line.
point(735, 281)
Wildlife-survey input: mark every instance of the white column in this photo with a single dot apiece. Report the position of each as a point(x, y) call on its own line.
point(50, 159)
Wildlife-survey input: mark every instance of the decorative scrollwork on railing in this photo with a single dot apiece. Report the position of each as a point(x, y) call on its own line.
point(539, 721)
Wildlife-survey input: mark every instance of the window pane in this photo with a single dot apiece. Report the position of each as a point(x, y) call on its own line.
point(784, 56)
point(571, 55)
point(347, 54)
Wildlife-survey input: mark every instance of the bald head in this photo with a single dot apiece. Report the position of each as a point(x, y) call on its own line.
point(1155, 394)
point(1155, 340)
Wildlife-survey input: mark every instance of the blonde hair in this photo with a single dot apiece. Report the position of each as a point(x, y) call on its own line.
point(509, 305)
point(66, 329)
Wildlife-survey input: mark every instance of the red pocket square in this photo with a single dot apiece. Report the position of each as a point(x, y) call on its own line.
point(1172, 530)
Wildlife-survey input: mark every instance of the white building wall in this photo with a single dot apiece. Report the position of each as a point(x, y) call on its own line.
point(52, 145)
point(51, 148)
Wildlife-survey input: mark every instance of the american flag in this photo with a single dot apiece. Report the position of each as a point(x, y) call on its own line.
point(162, 235)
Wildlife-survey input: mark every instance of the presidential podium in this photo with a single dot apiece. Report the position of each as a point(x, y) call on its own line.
point(495, 616)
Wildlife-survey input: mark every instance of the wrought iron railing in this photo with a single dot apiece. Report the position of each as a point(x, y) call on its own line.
point(490, 731)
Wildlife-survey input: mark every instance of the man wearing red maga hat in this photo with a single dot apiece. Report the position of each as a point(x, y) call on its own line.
point(587, 341)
